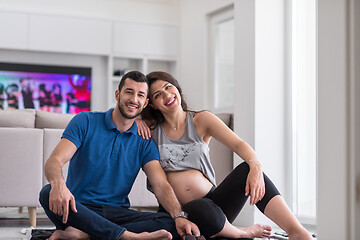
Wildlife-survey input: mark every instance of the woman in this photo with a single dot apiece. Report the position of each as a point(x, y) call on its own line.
point(13, 94)
point(81, 92)
point(45, 100)
point(57, 99)
point(183, 137)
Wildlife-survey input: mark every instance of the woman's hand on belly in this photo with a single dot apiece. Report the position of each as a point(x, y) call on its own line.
point(189, 185)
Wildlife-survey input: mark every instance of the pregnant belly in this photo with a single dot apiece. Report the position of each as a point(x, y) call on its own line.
point(189, 185)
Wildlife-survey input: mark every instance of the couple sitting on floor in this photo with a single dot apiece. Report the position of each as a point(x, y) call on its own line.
point(106, 152)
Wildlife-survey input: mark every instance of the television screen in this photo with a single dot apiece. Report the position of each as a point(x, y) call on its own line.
point(44, 87)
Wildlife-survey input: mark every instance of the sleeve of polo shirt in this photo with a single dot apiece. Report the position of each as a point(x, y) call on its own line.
point(75, 131)
point(151, 152)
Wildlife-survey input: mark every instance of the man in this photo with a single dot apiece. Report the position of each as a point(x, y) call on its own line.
point(106, 154)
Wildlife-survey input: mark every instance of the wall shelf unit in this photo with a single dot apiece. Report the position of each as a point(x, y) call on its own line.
point(119, 65)
point(127, 46)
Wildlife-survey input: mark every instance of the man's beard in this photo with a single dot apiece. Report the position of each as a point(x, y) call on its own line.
point(125, 115)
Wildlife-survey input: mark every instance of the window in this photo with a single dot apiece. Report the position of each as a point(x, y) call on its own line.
point(304, 109)
point(222, 33)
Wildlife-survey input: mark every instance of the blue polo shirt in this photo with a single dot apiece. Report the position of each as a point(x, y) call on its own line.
point(106, 163)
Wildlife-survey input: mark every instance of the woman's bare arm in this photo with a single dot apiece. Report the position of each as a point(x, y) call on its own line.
point(209, 125)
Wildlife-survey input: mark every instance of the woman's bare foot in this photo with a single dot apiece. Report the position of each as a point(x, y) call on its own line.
point(300, 235)
point(256, 231)
point(157, 235)
point(69, 233)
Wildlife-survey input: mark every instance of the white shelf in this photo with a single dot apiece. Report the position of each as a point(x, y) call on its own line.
point(161, 65)
point(122, 64)
point(117, 79)
point(149, 39)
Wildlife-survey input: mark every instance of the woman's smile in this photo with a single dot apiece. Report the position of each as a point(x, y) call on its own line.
point(171, 101)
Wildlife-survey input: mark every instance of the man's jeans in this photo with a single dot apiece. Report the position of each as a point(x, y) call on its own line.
point(107, 222)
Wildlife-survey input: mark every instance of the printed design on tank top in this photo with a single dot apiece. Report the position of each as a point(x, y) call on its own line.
point(175, 156)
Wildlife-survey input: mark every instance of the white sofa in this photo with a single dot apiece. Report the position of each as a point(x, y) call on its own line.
point(27, 138)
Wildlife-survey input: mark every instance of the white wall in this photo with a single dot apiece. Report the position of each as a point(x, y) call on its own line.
point(270, 87)
point(193, 57)
point(332, 120)
point(260, 87)
point(244, 109)
point(149, 11)
point(355, 120)
point(338, 118)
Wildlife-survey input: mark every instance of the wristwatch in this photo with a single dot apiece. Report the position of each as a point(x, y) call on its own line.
point(181, 214)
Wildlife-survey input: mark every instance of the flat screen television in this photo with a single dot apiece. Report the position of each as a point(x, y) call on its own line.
point(44, 87)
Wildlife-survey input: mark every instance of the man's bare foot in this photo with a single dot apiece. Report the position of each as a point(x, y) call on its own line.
point(157, 235)
point(69, 233)
point(256, 231)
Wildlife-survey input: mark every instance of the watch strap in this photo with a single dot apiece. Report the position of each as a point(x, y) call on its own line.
point(181, 214)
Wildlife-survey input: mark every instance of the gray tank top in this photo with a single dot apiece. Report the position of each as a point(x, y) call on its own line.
point(188, 152)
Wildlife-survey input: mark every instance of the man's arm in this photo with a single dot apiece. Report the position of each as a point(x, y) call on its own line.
point(60, 196)
point(166, 196)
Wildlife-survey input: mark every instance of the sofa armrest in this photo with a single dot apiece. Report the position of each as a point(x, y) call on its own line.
point(51, 138)
point(220, 155)
point(21, 154)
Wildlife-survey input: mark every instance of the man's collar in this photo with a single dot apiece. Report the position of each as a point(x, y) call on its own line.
point(108, 119)
point(133, 129)
point(110, 124)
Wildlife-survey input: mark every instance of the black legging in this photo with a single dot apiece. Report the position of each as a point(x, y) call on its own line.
point(227, 199)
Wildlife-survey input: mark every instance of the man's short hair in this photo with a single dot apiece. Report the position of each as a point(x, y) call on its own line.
point(136, 76)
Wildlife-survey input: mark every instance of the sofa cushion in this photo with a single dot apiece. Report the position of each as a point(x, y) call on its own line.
point(23, 118)
point(52, 120)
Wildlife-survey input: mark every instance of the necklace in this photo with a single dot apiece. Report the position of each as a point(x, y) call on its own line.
point(175, 128)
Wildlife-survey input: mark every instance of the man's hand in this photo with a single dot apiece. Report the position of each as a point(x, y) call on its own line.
point(59, 201)
point(167, 198)
point(185, 227)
